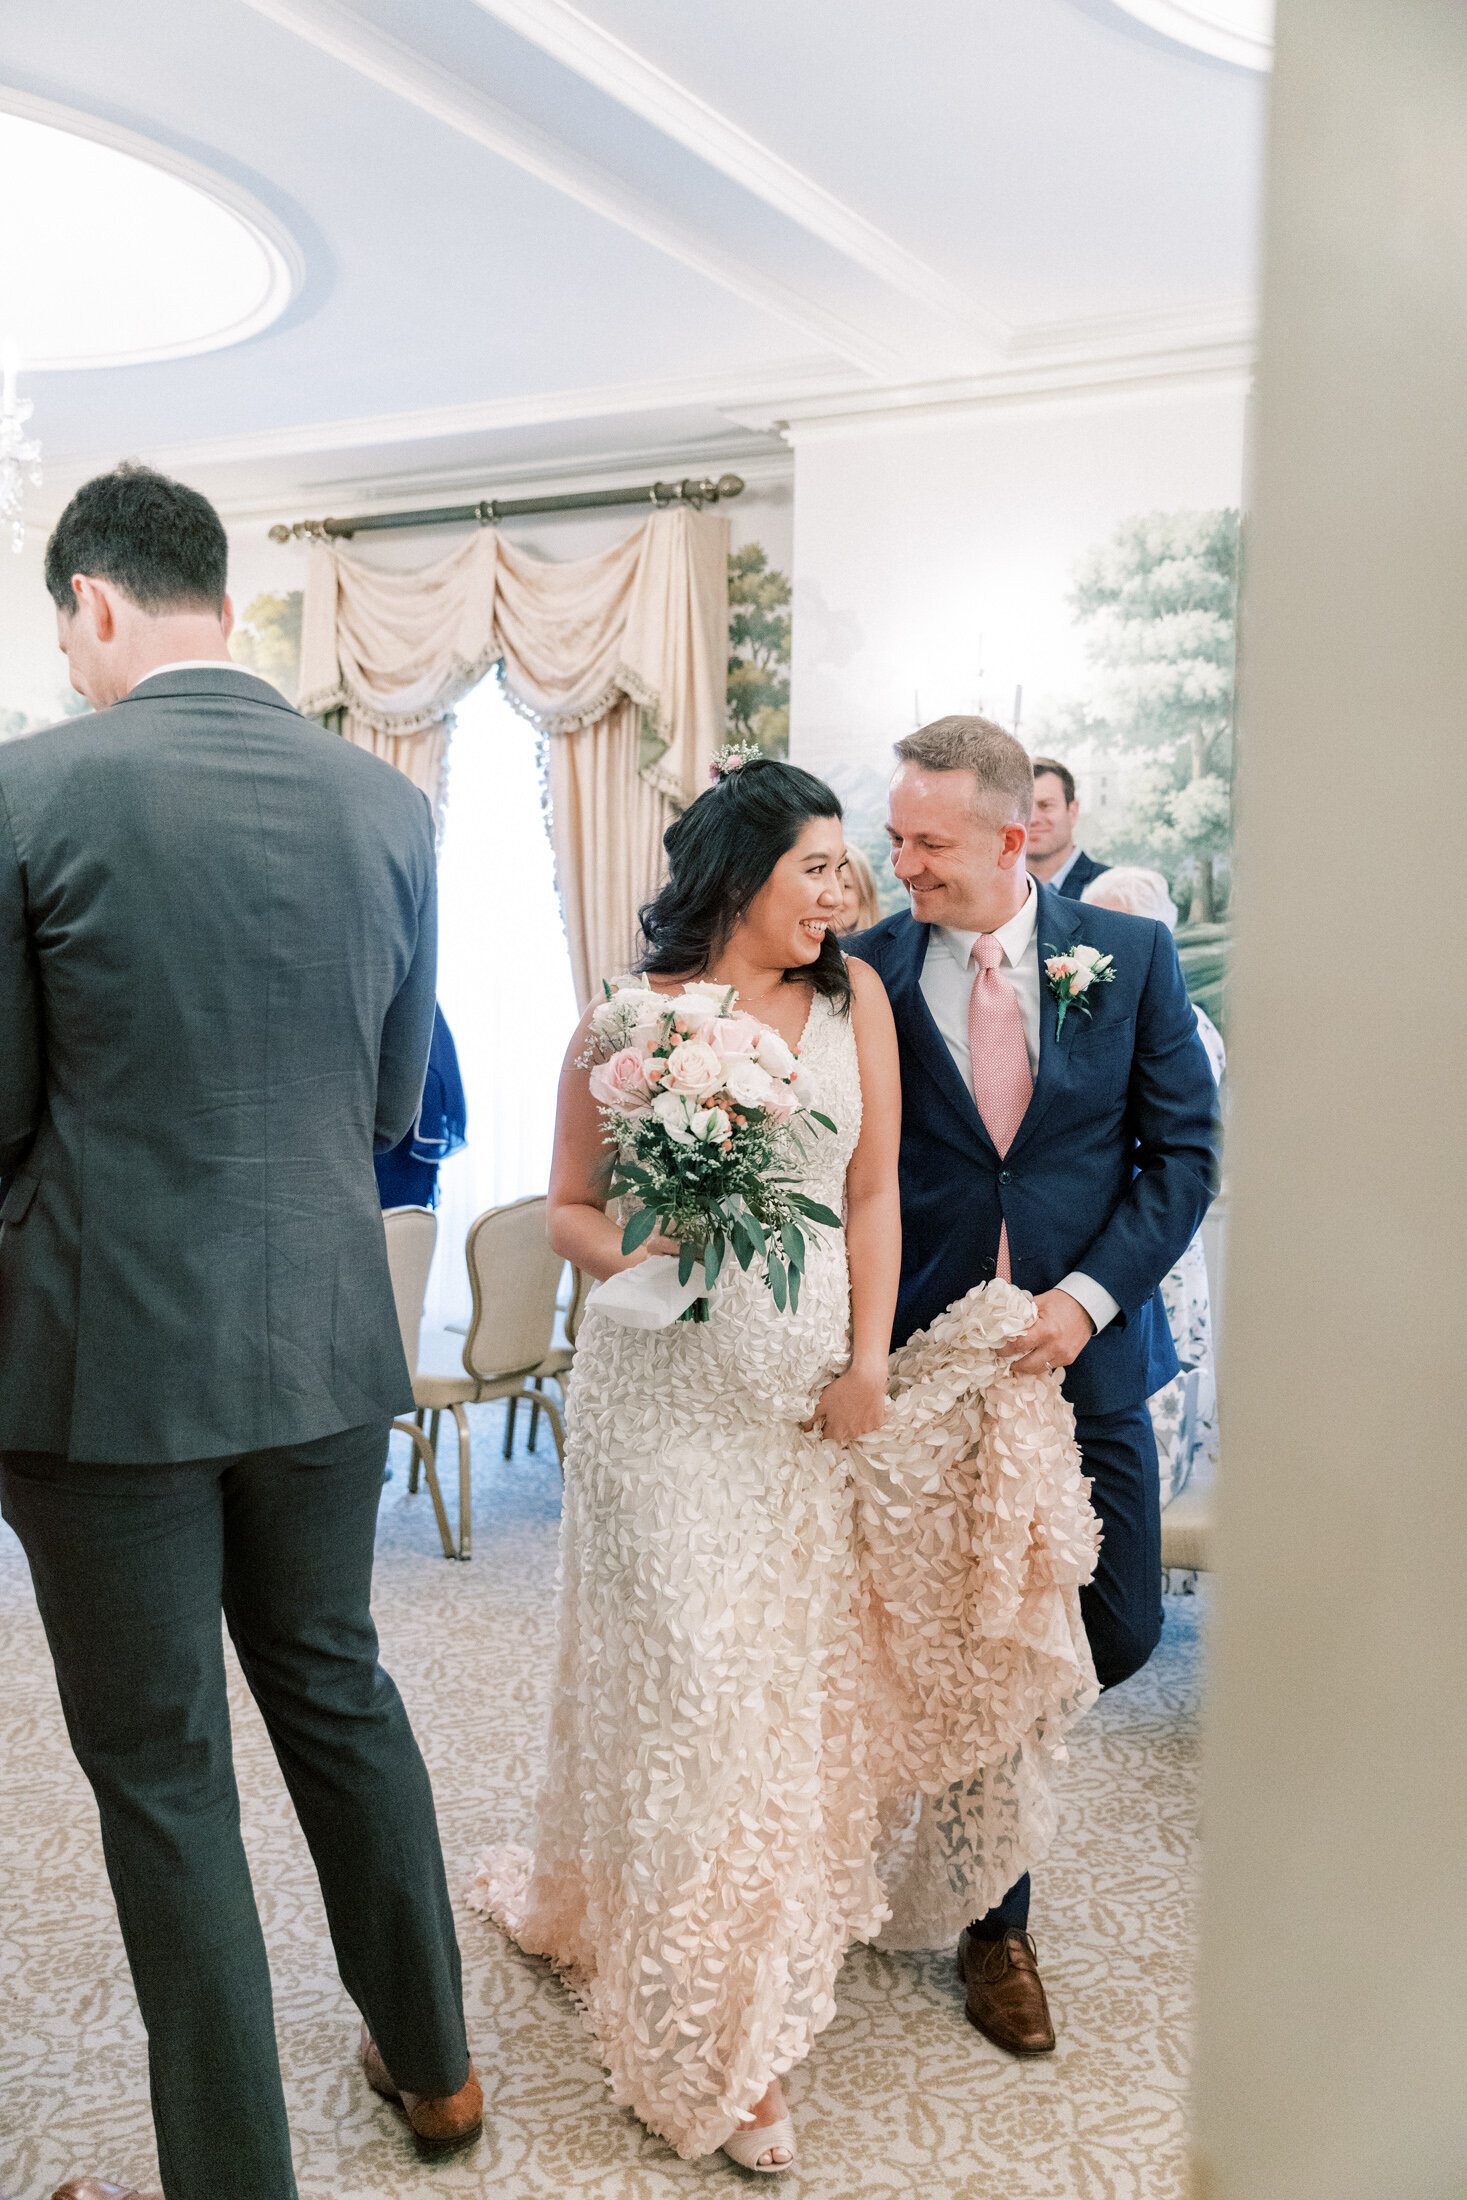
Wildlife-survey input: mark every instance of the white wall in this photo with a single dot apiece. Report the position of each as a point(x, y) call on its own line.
point(933, 554)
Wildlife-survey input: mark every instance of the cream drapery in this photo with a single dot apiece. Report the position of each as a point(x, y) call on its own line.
point(619, 659)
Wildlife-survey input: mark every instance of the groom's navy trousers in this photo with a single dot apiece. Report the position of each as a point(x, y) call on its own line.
point(1110, 1173)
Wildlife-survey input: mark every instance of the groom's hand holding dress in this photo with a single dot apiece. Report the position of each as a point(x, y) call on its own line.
point(1073, 1155)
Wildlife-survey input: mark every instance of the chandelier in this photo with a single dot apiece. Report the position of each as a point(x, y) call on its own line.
point(20, 454)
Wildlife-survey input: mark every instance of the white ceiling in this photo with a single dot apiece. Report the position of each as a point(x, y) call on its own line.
point(531, 236)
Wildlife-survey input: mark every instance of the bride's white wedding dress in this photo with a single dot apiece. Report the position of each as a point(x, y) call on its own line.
point(806, 1694)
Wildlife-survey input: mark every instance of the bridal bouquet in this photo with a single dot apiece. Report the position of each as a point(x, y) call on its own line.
point(707, 1108)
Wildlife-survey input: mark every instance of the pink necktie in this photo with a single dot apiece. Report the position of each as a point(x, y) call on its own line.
point(1002, 1085)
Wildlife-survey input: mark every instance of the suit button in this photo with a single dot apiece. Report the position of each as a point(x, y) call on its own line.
point(1005, 1176)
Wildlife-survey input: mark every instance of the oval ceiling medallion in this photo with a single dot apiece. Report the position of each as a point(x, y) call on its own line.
point(119, 251)
point(1233, 30)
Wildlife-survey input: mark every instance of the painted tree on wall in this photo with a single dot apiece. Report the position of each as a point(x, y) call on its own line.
point(759, 650)
point(1159, 600)
point(267, 640)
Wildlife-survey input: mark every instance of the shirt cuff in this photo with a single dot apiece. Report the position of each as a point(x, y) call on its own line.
point(1093, 1296)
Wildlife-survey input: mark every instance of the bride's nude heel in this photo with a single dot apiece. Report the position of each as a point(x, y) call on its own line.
point(745, 2147)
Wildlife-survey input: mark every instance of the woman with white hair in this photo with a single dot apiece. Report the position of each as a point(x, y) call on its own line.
point(1184, 1414)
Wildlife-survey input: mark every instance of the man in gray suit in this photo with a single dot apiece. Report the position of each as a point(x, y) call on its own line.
point(217, 946)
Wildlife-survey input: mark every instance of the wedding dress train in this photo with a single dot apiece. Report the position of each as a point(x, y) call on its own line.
point(806, 1694)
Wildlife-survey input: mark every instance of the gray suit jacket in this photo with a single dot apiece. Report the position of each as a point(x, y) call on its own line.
point(217, 951)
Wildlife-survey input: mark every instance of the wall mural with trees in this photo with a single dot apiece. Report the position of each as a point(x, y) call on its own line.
point(759, 650)
point(1151, 741)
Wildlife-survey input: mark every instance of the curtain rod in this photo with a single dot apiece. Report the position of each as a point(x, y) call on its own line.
point(490, 510)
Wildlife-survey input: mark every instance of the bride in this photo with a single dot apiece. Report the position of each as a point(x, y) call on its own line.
point(819, 1636)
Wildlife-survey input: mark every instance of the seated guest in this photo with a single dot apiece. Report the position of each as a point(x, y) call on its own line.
point(1184, 1443)
point(1052, 856)
point(860, 907)
point(407, 1176)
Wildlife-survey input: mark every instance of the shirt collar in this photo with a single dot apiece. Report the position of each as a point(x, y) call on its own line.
point(1013, 937)
point(193, 664)
point(1055, 883)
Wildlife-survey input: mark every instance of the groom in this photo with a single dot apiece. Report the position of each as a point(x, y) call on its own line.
point(1073, 1157)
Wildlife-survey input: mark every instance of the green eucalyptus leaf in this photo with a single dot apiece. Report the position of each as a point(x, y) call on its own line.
point(777, 1282)
point(791, 1237)
point(638, 1229)
point(686, 1261)
point(794, 1290)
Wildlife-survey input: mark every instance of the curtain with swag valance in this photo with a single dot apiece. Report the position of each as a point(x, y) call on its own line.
point(619, 660)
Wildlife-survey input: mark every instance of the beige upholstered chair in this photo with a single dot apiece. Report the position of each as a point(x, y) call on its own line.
point(412, 1233)
point(556, 1365)
point(514, 1276)
point(1186, 1530)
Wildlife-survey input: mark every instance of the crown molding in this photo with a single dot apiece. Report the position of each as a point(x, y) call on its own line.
point(637, 84)
point(1205, 365)
point(283, 256)
point(346, 37)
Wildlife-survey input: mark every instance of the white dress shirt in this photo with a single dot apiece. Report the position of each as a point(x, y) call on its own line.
point(947, 987)
point(194, 664)
point(1054, 884)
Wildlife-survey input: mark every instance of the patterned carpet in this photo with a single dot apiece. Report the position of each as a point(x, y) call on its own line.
point(901, 2098)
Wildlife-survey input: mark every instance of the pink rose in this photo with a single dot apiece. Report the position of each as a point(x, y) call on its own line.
point(694, 1068)
point(732, 1036)
point(621, 1082)
point(780, 1104)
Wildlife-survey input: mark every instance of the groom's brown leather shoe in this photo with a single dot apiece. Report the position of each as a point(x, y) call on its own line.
point(438, 2122)
point(1005, 1999)
point(97, 2188)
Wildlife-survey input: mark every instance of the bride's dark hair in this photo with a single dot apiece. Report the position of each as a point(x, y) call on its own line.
point(720, 852)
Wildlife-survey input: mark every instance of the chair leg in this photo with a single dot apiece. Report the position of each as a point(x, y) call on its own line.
point(465, 1489)
point(535, 1385)
point(557, 1429)
point(421, 1452)
point(509, 1427)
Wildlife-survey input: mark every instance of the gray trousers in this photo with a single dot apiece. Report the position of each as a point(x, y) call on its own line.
point(132, 1567)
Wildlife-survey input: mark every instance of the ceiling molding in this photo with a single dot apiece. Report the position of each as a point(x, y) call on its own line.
point(799, 400)
point(1228, 365)
point(769, 390)
point(616, 69)
point(1162, 329)
point(282, 253)
point(1240, 31)
point(344, 35)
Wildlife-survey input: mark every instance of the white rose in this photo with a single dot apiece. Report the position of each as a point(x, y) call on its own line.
point(1081, 978)
point(695, 1010)
point(1087, 955)
point(672, 1112)
point(805, 1090)
point(772, 1053)
point(747, 1083)
point(694, 1068)
point(710, 1126)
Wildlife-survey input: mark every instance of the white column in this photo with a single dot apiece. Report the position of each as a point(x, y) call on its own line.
point(1333, 2048)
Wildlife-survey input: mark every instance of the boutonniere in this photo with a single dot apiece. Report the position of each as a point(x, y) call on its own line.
point(1071, 977)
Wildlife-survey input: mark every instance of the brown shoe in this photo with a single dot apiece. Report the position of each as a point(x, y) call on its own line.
point(1005, 1992)
point(439, 2122)
point(97, 2188)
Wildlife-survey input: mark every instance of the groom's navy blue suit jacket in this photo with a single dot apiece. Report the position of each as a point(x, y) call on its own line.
point(1110, 1172)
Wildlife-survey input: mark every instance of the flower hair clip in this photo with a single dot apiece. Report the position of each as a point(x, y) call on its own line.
point(731, 758)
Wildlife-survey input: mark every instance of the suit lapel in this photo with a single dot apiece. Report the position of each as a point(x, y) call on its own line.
point(1057, 925)
point(920, 1034)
